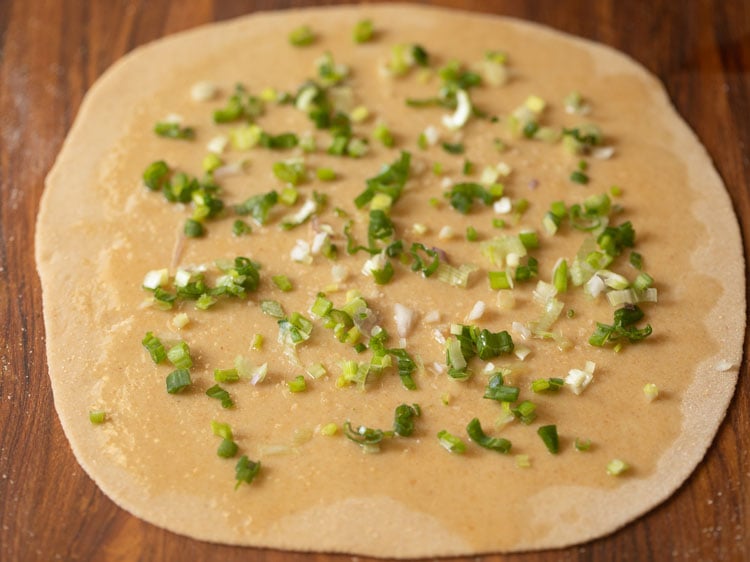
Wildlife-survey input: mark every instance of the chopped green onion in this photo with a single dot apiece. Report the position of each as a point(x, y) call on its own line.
point(453, 148)
point(476, 434)
point(164, 299)
point(613, 240)
point(530, 129)
point(97, 416)
point(282, 282)
point(651, 391)
point(525, 411)
point(403, 422)
point(616, 467)
point(582, 445)
point(272, 308)
point(582, 137)
point(383, 134)
point(290, 171)
point(280, 141)
point(499, 280)
point(245, 471)
point(325, 174)
point(363, 31)
point(471, 234)
point(636, 260)
point(643, 281)
point(548, 433)
point(523, 461)
point(211, 162)
point(462, 195)
point(579, 177)
point(156, 175)
point(451, 443)
point(496, 390)
point(321, 307)
point(179, 356)
point(623, 328)
point(541, 385)
point(193, 229)
point(529, 239)
point(222, 430)
point(205, 301)
point(297, 384)
point(220, 394)
point(316, 371)
point(227, 449)
point(301, 36)
point(240, 227)
point(226, 375)
point(257, 342)
point(384, 275)
point(155, 348)
point(560, 276)
point(422, 266)
point(390, 181)
point(329, 429)
point(174, 131)
point(492, 344)
point(178, 380)
point(366, 437)
point(288, 195)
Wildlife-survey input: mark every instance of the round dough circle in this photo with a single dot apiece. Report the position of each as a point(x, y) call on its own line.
point(99, 232)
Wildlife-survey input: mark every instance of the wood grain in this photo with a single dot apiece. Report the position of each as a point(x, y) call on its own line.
point(51, 51)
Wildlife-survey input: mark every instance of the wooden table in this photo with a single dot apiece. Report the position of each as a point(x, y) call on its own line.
point(51, 51)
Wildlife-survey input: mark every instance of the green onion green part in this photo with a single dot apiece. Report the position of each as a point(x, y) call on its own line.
point(220, 394)
point(476, 434)
point(227, 449)
point(178, 380)
point(155, 348)
point(174, 131)
point(297, 384)
point(548, 433)
point(245, 471)
point(404, 417)
point(179, 356)
point(363, 31)
point(451, 443)
point(301, 36)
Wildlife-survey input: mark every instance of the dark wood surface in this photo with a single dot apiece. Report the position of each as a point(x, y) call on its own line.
point(51, 51)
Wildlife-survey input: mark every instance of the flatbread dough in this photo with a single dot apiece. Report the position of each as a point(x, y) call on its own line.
point(99, 231)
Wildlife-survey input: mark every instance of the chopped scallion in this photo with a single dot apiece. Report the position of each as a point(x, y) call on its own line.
point(476, 434)
point(301, 36)
point(173, 130)
point(548, 433)
point(451, 443)
point(179, 356)
point(245, 471)
point(220, 394)
point(282, 282)
point(616, 467)
point(403, 422)
point(178, 380)
point(227, 449)
point(155, 348)
point(297, 384)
